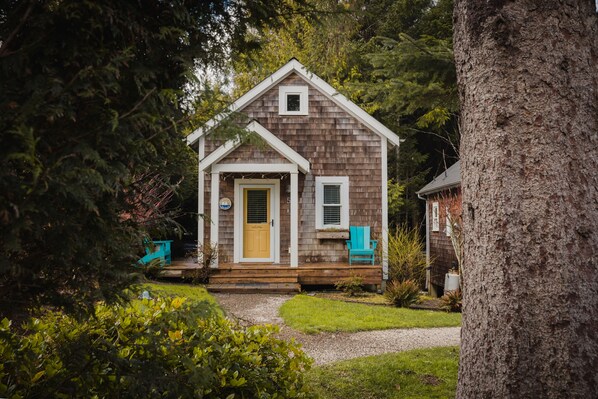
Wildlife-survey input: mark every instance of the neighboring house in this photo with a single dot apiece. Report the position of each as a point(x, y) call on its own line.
point(290, 201)
point(443, 197)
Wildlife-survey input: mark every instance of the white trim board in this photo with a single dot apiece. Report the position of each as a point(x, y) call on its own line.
point(277, 144)
point(214, 213)
point(201, 184)
point(294, 214)
point(384, 184)
point(255, 168)
point(295, 66)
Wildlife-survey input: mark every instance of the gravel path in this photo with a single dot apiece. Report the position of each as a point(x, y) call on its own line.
point(252, 309)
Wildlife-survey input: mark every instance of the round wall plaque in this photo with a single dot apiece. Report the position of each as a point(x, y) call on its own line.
point(225, 204)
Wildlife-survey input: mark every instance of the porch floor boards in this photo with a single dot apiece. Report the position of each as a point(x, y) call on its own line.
point(268, 277)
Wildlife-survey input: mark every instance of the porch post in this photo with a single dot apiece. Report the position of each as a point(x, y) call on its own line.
point(215, 194)
point(294, 220)
point(428, 285)
point(201, 182)
point(384, 184)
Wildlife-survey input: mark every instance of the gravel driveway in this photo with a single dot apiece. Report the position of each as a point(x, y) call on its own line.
point(324, 348)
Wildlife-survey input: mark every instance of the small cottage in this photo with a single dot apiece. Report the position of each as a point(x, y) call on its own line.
point(443, 201)
point(286, 206)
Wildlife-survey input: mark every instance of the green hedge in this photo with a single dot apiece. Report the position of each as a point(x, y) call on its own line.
point(161, 348)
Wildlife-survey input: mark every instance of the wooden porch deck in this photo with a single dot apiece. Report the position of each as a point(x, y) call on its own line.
point(274, 277)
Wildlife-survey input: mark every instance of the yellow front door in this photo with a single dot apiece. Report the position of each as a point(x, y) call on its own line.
point(256, 223)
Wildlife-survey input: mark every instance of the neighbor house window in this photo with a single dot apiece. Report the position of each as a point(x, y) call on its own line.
point(332, 202)
point(435, 217)
point(292, 100)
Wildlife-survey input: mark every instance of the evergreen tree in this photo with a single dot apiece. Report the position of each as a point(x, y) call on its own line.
point(90, 96)
point(529, 95)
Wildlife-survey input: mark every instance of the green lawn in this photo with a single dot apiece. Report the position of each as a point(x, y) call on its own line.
point(194, 293)
point(421, 374)
point(312, 315)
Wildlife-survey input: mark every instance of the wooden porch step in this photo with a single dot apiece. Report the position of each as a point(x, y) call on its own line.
point(191, 266)
point(253, 279)
point(255, 272)
point(257, 277)
point(278, 288)
point(171, 273)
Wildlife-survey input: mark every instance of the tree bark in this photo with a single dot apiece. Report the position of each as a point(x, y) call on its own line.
point(528, 86)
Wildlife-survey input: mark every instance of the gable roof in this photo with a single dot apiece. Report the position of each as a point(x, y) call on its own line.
point(448, 179)
point(277, 144)
point(295, 66)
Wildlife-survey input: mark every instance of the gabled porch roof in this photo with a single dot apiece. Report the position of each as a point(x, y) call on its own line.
point(274, 142)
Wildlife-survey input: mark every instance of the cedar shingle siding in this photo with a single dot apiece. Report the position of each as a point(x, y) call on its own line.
point(335, 143)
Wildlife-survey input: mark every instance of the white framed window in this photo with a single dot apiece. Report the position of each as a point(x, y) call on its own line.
point(292, 100)
point(435, 217)
point(332, 202)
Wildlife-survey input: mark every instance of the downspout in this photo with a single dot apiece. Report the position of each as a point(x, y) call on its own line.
point(427, 287)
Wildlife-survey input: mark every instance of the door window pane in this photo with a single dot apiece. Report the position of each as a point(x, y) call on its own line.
point(257, 206)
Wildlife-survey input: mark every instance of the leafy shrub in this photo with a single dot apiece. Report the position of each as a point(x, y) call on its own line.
point(162, 348)
point(402, 293)
point(350, 285)
point(452, 301)
point(406, 256)
point(207, 256)
point(153, 269)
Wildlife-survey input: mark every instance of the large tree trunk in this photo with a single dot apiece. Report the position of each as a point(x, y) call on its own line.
point(528, 83)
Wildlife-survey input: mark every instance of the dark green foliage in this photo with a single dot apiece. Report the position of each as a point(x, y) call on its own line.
point(452, 301)
point(402, 293)
point(351, 285)
point(163, 348)
point(90, 96)
point(408, 82)
point(414, 77)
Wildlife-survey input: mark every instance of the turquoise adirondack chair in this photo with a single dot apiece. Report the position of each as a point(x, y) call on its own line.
point(361, 248)
point(160, 250)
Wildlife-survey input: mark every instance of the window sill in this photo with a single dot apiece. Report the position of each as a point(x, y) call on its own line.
point(332, 234)
point(292, 113)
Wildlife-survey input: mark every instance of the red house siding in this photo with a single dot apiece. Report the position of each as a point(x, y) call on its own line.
point(442, 253)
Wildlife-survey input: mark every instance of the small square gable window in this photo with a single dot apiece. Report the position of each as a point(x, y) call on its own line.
point(292, 100)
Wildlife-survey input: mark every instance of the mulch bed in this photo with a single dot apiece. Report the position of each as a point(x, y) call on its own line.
point(377, 299)
point(428, 304)
point(366, 298)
